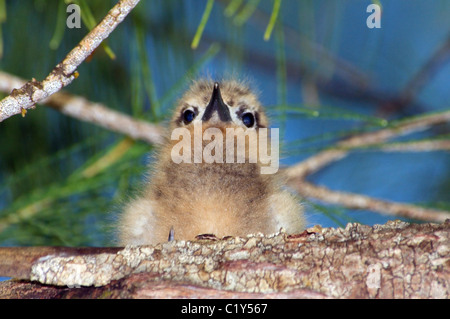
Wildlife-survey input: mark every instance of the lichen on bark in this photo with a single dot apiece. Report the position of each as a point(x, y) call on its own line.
point(395, 260)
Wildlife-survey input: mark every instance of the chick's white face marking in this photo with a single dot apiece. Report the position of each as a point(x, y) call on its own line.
point(243, 109)
point(209, 115)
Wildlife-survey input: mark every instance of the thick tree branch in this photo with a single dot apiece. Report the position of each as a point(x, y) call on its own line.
point(96, 113)
point(396, 260)
point(65, 72)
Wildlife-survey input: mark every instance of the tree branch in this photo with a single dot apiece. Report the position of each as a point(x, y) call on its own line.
point(395, 260)
point(298, 173)
point(358, 201)
point(435, 63)
point(417, 146)
point(341, 150)
point(96, 113)
point(65, 72)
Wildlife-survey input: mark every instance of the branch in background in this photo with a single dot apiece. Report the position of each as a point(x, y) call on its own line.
point(65, 72)
point(421, 146)
point(297, 173)
point(82, 109)
point(426, 72)
point(435, 63)
point(320, 160)
point(96, 113)
point(357, 201)
point(343, 68)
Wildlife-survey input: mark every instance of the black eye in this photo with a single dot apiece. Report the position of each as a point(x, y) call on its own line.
point(188, 116)
point(248, 119)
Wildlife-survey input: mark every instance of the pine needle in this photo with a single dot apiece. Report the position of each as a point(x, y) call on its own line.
point(232, 7)
point(59, 27)
point(109, 158)
point(201, 26)
point(273, 19)
point(246, 12)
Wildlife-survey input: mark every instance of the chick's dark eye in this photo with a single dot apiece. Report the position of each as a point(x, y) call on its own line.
point(188, 116)
point(248, 119)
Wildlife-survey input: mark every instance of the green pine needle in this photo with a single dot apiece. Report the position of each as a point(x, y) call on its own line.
point(273, 19)
point(201, 26)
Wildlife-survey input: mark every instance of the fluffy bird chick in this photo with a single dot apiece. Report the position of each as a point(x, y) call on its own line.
point(189, 198)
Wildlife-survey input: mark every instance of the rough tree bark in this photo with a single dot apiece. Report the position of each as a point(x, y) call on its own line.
point(395, 260)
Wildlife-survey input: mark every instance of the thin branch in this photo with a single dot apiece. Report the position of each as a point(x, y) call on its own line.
point(320, 160)
point(358, 201)
point(297, 173)
point(417, 146)
point(343, 68)
point(65, 72)
point(434, 64)
point(421, 78)
point(96, 113)
point(82, 109)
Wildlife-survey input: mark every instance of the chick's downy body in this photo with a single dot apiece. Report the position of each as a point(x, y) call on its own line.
point(201, 196)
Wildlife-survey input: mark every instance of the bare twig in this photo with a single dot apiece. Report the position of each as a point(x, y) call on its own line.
point(426, 72)
point(418, 146)
point(96, 113)
point(395, 260)
point(358, 201)
point(65, 72)
point(320, 160)
point(82, 109)
point(297, 173)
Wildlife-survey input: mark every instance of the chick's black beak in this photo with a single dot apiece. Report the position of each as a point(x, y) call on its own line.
point(216, 104)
